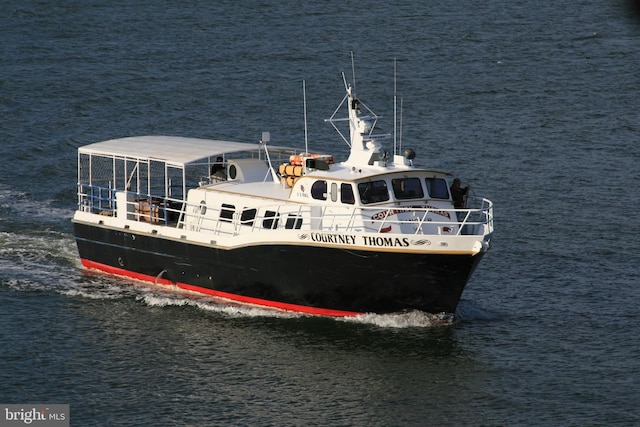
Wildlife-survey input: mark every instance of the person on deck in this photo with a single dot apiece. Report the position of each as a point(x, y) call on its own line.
point(217, 170)
point(457, 194)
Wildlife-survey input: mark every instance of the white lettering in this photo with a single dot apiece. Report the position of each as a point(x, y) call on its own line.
point(26, 417)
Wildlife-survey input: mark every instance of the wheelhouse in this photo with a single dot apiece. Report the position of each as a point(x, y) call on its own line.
point(401, 188)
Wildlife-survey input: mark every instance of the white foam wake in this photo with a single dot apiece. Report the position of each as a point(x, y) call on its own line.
point(409, 319)
point(210, 304)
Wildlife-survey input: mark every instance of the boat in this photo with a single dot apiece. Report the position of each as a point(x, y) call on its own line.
point(281, 227)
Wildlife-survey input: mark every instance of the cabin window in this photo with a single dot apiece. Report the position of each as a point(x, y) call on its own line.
point(247, 217)
point(293, 221)
point(407, 188)
point(226, 214)
point(319, 190)
point(373, 191)
point(346, 194)
point(270, 220)
point(437, 188)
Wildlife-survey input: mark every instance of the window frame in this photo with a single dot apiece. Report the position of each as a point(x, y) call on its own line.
point(404, 195)
point(374, 193)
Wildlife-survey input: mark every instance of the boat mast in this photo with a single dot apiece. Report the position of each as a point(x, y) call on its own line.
point(365, 147)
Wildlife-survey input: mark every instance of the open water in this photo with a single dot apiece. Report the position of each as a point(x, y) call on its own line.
point(535, 104)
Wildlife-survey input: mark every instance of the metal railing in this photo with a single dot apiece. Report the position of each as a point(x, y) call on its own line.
point(140, 207)
point(328, 219)
point(96, 199)
point(331, 218)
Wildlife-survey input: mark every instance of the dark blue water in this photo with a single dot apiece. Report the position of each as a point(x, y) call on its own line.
point(533, 104)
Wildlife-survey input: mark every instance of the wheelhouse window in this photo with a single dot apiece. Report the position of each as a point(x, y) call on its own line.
point(407, 188)
point(373, 191)
point(319, 190)
point(346, 194)
point(437, 188)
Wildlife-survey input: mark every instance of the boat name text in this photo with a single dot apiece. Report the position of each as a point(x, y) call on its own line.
point(348, 239)
point(334, 238)
point(445, 214)
point(382, 215)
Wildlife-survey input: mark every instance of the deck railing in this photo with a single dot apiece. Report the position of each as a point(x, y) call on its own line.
point(96, 199)
point(228, 220)
point(140, 207)
point(472, 221)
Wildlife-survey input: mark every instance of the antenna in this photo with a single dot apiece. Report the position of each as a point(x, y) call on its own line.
point(304, 98)
point(400, 148)
point(395, 121)
point(353, 71)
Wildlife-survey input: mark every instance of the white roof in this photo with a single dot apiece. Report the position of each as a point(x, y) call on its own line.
point(171, 149)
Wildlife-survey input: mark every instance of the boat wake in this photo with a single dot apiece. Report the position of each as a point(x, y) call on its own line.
point(409, 319)
point(97, 285)
point(20, 208)
point(160, 298)
point(40, 256)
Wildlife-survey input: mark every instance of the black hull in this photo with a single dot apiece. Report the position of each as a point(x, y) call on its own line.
point(333, 281)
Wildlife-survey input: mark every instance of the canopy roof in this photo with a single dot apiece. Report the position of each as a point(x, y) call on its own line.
point(170, 149)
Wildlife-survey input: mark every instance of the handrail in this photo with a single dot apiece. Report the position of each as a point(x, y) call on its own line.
point(92, 198)
point(101, 200)
point(330, 218)
point(473, 221)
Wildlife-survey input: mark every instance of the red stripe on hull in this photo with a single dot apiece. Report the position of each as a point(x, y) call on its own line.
point(232, 297)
